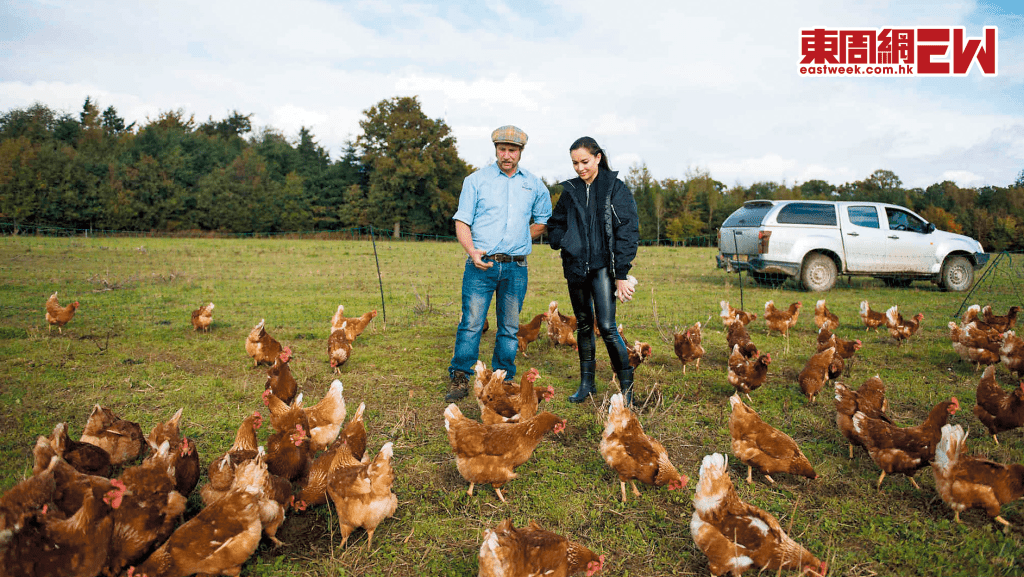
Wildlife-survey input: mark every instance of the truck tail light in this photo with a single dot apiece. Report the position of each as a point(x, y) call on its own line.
point(763, 237)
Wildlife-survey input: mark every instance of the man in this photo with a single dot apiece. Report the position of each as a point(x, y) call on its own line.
point(493, 226)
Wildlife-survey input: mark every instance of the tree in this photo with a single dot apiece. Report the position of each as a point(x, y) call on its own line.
point(415, 173)
point(647, 197)
point(236, 125)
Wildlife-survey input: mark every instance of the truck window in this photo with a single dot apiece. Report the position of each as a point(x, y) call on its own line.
point(749, 215)
point(902, 220)
point(865, 216)
point(807, 213)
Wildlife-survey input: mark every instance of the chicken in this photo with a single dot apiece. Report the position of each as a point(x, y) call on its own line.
point(495, 405)
point(354, 326)
point(84, 457)
point(279, 377)
point(149, 512)
point(824, 317)
point(815, 375)
point(781, 321)
point(901, 329)
point(965, 481)
point(759, 445)
point(560, 331)
point(745, 375)
point(872, 319)
point(973, 345)
point(122, 440)
point(219, 539)
point(221, 472)
point(736, 334)
point(634, 455)
point(70, 486)
point(202, 317)
point(903, 450)
point(868, 399)
point(490, 453)
point(313, 491)
point(185, 462)
point(58, 315)
point(688, 345)
point(735, 535)
point(339, 347)
point(996, 409)
point(730, 315)
point(1011, 353)
point(1000, 323)
point(362, 495)
point(289, 449)
point(326, 417)
point(971, 315)
point(532, 550)
point(262, 347)
point(844, 348)
point(639, 353)
point(21, 501)
point(529, 332)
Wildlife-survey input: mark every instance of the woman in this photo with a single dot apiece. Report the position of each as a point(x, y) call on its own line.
point(596, 227)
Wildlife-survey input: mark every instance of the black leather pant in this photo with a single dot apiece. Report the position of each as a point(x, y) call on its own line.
point(597, 293)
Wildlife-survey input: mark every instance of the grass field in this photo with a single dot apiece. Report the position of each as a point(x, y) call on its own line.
point(131, 347)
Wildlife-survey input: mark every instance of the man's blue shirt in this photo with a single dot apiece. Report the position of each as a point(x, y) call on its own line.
point(498, 208)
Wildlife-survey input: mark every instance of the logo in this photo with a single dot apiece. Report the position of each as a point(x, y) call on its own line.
point(920, 51)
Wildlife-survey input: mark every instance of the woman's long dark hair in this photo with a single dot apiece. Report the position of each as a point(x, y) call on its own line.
point(593, 148)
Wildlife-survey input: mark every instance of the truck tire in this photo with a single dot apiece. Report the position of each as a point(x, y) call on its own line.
point(819, 273)
point(957, 274)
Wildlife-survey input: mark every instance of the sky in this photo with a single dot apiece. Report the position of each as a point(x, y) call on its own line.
point(678, 86)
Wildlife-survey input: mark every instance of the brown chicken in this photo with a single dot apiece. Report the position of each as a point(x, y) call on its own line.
point(737, 536)
point(121, 439)
point(490, 453)
point(868, 399)
point(70, 485)
point(560, 331)
point(1000, 323)
point(326, 417)
point(844, 348)
point(781, 320)
point(362, 495)
point(84, 457)
point(354, 434)
point(279, 377)
point(185, 461)
point(1011, 353)
point(57, 315)
point(221, 472)
point(730, 315)
point(339, 348)
point(736, 334)
point(688, 346)
point(289, 449)
point(745, 374)
point(973, 345)
point(529, 332)
point(759, 445)
point(824, 317)
point(871, 319)
point(354, 326)
point(262, 347)
point(815, 375)
point(202, 318)
point(639, 353)
point(532, 550)
point(633, 454)
point(313, 490)
point(996, 409)
point(502, 401)
point(903, 450)
point(900, 328)
point(965, 481)
point(219, 539)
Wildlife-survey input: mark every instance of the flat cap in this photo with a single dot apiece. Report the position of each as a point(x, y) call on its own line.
point(509, 135)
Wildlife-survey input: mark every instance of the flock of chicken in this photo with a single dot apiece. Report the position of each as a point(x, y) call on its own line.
point(69, 518)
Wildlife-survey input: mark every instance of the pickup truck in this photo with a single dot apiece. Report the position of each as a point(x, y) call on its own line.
point(815, 241)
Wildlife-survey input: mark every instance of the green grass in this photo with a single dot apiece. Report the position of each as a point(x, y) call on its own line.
point(131, 347)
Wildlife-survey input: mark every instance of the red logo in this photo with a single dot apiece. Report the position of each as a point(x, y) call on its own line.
point(897, 52)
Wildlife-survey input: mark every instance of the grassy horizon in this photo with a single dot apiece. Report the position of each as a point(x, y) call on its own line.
point(131, 347)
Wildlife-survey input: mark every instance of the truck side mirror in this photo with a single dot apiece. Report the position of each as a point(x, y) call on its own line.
point(929, 228)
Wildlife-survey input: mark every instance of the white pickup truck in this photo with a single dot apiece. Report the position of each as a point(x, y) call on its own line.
point(815, 241)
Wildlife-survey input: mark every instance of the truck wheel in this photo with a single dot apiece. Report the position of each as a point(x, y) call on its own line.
point(819, 273)
point(957, 274)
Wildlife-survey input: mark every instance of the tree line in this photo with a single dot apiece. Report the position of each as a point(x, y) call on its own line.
point(402, 173)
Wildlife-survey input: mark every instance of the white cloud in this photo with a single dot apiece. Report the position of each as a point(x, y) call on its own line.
point(963, 178)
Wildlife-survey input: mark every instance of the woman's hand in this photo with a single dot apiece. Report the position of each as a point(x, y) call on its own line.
point(624, 290)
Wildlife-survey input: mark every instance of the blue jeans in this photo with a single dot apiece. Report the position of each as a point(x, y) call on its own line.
point(508, 281)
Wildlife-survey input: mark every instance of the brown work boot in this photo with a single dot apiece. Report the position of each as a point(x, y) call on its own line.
point(459, 387)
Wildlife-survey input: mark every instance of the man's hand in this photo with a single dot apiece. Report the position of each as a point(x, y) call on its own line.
point(477, 256)
point(624, 289)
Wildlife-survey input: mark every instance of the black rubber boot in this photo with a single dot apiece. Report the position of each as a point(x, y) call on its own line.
point(587, 387)
point(625, 377)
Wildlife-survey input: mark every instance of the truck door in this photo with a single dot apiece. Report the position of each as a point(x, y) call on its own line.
point(909, 248)
point(864, 238)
